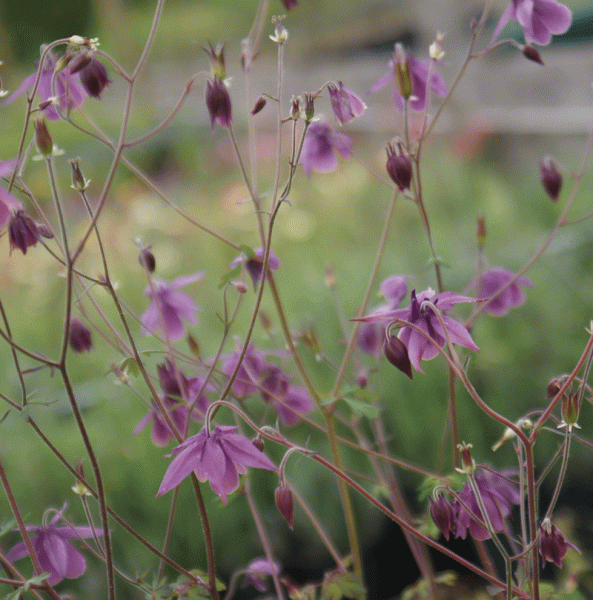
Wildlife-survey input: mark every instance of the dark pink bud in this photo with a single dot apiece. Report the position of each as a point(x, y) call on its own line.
point(551, 177)
point(261, 102)
point(399, 166)
point(81, 60)
point(93, 77)
point(284, 502)
point(552, 544)
point(43, 139)
point(22, 231)
point(218, 102)
point(396, 353)
point(288, 4)
point(554, 386)
point(146, 259)
point(258, 442)
point(79, 337)
point(443, 515)
point(532, 54)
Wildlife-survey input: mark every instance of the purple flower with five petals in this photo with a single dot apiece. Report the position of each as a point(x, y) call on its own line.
point(419, 72)
point(320, 147)
point(168, 306)
point(218, 456)
point(498, 495)
point(491, 281)
point(423, 317)
point(539, 19)
point(54, 551)
point(68, 89)
point(346, 104)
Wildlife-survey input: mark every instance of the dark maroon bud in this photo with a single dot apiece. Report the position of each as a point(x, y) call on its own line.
point(147, 260)
point(93, 77)
point(284, 502)
point(553, 546)
point(551, 177)
point(80, 62)
point(193, 344)
point(397, 354)
point(399, 166)
point(261, 102)
point(43, 105)
point(532, 54)
point(218, 102)
point(22, 231)
point(258, 443)
point(443, 515)
point(43, 139)
point(362, 379)
point(79, 337)
point(554, 387)
point(288, 4)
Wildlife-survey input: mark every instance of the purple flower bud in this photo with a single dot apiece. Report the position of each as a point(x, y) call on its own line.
point(146, 259)
point(399, 167)
point(554, 386)
point(93, 77)
point(481, 231)
point(397, 354)
point(288, 4)
point(43, 139)
point(443, 515)
point(284, 502)
point(369, 338)
point(79, 337)
point(531, 53)
point(258, 442)
point(552, 544)
point(78, 62)
point(218, 102)
point(261, 102)
point(551, 177)
point(22, 231)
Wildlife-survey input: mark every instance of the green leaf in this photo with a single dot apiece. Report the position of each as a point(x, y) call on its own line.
point(234, 273)
point(361, 408)
point(11, 524)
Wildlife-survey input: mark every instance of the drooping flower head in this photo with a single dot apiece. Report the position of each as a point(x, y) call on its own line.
point(54, 551)
point(419, 347)
point(443, 514)
point(161, 432)
point(22, 231)
point(553, 546)
point(218, 456)
point(346, 104)
point(69, 92)
point(491, 281)
point(540, 19)
point(255, 264)
point(320, 147)
point(168, 306)
point(498, 495)
point(91, 72)
point(413, 73)
point(8, 205)
point(218, 102)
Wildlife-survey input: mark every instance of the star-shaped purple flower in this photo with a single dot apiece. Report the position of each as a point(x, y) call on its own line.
point(498, 495)
point(539, 19)
point(68, 90)
point(491, 281)
point(320, 147)
point(346, 104)
point(419, 72)
point(173, 305)
point(218, 456)
point(419, 347)
point(54, 551)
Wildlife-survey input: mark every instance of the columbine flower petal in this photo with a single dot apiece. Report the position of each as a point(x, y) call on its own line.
point(320, 147)
point(489, 282)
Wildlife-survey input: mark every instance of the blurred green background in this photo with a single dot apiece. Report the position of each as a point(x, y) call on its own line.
point(472, 166)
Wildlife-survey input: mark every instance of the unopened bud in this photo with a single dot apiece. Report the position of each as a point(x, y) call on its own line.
point(193, 345)
point(399, 166)
point(551, 177)
point(310, 339)
point(295, 111)
point(481, 231)
point(532, 54)
point(362, 379)
point(284, 502)
point(239, 286)
point(396, 353)
point(265, 320)
point(261, 102)
point(43, 139)
point(330, 277)
point(82, 59)
point(258, 442)
point(309, 111)
point(79, 337)
point(22, 231)
point(218, 102)
point(403, 74)
point(146, 259)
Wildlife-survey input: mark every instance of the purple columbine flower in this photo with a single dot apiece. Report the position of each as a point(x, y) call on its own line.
point(539, 19)
point(218, 456)
point(255, 265)
point(22, 231)
point(250, 373)
point(173, 305)
point(491, 281)
point(54, 551)
point(68, 89)
point(161, 432)
point(7, 202)
point(257, 571)
point(498, 495)
point(218, 102)
point(320, 147)
point(346, 104)
point(93, 77)
point(443, 514)
point(419, 71)
point(419, 347)
point(552, 544)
